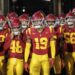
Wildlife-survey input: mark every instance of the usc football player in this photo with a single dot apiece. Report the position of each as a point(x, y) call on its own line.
point(50, 21)
point(15, 47)
point(38, 37)
point(24, 19)
point(69, 47)
point(3, 35)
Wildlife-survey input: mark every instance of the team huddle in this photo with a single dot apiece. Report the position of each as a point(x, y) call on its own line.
point(38, 43)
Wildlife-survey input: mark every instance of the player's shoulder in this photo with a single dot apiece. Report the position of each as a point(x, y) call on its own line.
point(66, 28)
point(47, 28)
point(51, 29)
point(73, 29)
point(29, 30)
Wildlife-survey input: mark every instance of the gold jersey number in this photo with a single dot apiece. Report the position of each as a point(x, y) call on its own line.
point(69, 37)
point(41, 44)
point(15, 47)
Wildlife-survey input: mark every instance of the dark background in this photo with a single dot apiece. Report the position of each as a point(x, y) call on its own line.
point(68, 5)
point(33, 5)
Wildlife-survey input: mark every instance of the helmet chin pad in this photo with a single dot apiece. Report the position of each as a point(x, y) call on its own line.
point(70, 23)
point(16, 33)
point(37, 26)
point(24, 26)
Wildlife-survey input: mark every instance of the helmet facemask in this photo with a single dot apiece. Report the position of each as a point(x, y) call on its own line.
point(70, 21)
point(62, 22)
point(25, 24)
point(16, 31)
point(50, 23)
point(38, 24)
point(2, 23)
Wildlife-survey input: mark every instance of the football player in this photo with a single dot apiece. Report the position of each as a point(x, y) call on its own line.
point(69, 46)
point(50, 21)
point(15, 46)
point(3, 34)
point(38, 37)
point(24, 19)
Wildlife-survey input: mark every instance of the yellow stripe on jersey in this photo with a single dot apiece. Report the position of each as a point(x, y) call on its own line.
point(29, 30)
point(51, 29)
point(26, 31)
point(52, 48)
point(27, 51)
point(54, 37)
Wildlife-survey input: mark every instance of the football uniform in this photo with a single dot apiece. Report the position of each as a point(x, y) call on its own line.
point(40, 47)
point(3, 34)
point(69, 47)
point(15, 55)
point(59, 48)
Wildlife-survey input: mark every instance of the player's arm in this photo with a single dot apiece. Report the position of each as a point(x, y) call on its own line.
point(7, 42)
point(27, 53)
point(53, 47)
point(27, 49)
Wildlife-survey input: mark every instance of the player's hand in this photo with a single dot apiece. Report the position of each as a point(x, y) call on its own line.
point(51, 61)
point(26, 66)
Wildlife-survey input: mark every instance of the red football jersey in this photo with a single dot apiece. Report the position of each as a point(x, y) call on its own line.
point(40, 41)
point(15, 46)
point(59, 30)
point(69, 36)
point(3, 35)
point(24, 35)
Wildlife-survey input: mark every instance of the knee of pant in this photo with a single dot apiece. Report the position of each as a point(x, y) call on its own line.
point(69, 73)
point(70, 66)
point(35, 67)
point(57, 68)
point(46, 69)
point(57, 71)
point(34, 72)
point(10, 71)
point(19, 73)
point(45, 72)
